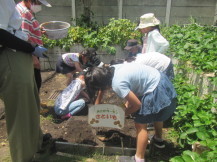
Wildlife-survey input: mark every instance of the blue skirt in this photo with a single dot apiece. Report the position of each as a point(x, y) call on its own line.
point(169, 71)
point(158, 105)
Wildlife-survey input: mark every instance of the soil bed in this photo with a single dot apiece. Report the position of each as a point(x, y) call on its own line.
point(77, 130)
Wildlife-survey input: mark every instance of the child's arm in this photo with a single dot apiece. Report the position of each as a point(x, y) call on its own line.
point(133, 103)
point(78, 67)
point(99, 97)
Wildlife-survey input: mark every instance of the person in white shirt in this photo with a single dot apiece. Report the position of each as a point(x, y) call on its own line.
point(154, 59)
point(73, 98)
point(153, 41)
point(69, 63)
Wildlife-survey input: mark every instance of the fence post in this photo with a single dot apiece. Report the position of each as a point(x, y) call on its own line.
point(120, 8)
point(215, 16)
point(168, 9)
point(73, 13)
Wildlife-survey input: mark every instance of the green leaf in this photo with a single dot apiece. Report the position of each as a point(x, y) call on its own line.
point(183, 135)
point(202, 135)
point(177, 159)
point(191, 130)
point(193, 156)
point(187, 158)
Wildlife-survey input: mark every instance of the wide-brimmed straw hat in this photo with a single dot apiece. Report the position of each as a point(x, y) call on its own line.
point(147, 20)
point(44, 2)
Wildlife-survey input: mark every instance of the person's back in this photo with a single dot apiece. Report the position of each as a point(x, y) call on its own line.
point(138, 78)
point(154, 59)
point(70, 58)
point(156, 42)
point(70, 93)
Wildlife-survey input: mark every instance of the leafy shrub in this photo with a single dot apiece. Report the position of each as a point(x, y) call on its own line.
point(75, 35)
point(195, 121)
point(189, 156)
point(194, 43)
point(117, 32)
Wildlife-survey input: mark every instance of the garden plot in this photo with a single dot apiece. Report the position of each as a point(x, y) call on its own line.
point(77, 133)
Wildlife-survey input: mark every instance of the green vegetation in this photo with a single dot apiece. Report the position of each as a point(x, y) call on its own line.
point(194, 43)
point(195, 118)
point(117, 32)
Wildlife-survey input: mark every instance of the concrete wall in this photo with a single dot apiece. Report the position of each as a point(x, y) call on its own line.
point(203, 11)
point(168, 11)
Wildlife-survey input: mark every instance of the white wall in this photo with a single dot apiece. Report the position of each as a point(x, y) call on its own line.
point(203, 10)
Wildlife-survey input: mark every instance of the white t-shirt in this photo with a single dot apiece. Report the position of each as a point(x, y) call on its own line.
point(138, 78)
point(10, 19)
point(70, 58)
point(154, 59)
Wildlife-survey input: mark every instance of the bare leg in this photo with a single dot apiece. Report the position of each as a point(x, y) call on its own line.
point(158, 129)
point(142, 140)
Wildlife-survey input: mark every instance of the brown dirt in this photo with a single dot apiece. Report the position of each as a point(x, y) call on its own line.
point(77, 130)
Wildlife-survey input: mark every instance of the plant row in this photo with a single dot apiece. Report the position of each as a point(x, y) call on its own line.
point(194, 43)
point(117, 32)
point(195, 120)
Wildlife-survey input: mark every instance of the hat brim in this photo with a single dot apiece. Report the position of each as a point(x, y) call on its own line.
point(142, 26)
point(44, 2)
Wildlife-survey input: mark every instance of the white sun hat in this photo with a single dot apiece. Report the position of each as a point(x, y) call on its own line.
point(147, 20)
point(44, 2)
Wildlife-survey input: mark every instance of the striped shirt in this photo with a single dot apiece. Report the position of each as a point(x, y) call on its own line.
point(30, 25)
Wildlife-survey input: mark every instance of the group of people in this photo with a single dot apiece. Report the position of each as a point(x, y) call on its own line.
point(143, 79)
point(145, 82)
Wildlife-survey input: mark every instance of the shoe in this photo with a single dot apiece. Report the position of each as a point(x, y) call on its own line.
point(150, 126)
point(158, 143)
point(67, 116)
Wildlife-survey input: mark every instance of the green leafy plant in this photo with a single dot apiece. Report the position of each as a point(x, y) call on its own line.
point(194, 43)
point(75, 35)
point(117, 32)
point(189, 156)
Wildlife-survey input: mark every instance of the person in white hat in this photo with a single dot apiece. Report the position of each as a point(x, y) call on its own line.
point(30, 26)
point(153, 41)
